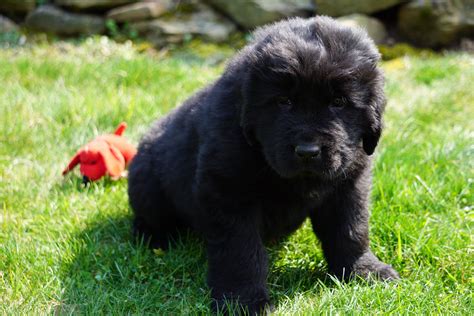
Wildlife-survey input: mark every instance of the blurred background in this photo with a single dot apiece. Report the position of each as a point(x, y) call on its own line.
point(431, 24)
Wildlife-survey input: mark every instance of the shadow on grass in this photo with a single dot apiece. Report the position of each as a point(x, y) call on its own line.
point(75, 183)
point(110, 272)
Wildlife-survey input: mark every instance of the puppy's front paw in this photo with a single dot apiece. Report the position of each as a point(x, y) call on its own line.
point(387, 273)
point(236, 307)
point(250, 302)
point(368, 266)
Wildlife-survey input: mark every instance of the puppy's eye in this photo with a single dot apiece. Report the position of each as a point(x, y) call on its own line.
point(284, 103)
point(338, 103)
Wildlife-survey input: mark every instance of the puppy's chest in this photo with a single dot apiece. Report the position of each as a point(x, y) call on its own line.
point(283, 213)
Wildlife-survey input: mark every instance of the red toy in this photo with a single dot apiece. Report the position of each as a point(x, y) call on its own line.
point(107, 154)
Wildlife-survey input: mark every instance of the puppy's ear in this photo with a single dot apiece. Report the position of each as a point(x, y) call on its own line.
point(244, 111)
point(370, 140)
point(373, 131)
point(247, 129)
point(249, 136)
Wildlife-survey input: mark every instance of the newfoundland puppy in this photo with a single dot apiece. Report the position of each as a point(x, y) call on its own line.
point(284, 134)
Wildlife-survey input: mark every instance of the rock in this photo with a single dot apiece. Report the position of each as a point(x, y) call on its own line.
point(434, 23)
point(139, 11)
point(51, 19)
point(17, 6)
point(90, 4)
point(372, 26)
point(204, 22)
point(344, 7)
point(7, 25)
point(467, 45)
point(252, 13)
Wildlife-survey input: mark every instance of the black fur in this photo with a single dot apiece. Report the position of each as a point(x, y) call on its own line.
point(224, 162)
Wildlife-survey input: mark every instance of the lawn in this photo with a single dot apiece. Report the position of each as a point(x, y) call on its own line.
point(66, 248)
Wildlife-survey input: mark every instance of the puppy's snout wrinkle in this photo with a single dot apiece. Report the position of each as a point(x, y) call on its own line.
point(308, 151)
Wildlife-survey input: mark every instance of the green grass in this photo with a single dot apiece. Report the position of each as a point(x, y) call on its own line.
point(67, 249)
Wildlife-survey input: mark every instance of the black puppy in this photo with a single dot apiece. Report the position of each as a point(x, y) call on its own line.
point(285, 133)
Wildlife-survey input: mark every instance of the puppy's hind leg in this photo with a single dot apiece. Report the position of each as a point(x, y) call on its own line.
point(148, 234)
point(155, 219)
point(158, 235)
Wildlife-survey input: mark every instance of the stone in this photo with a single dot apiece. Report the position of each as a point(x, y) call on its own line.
point(345, 7)
point(374, 28)
point(434, 23)
point(7, 25)
point(252, 13)
point(17, 6)
point(467, 45)
point(143, 10)
point(204, 22)
point(50, 19)
point(91, 4)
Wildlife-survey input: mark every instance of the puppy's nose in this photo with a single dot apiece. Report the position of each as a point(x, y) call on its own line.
point(308, 151)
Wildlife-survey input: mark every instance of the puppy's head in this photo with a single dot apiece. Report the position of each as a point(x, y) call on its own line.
point(312, 97)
